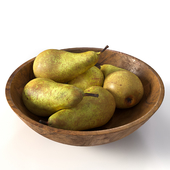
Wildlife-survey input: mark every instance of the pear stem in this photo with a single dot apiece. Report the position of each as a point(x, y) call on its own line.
point(91, 94)
point(43, 122)
point(104, 49)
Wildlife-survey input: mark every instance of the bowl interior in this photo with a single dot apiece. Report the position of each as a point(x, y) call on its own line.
point(153, 88)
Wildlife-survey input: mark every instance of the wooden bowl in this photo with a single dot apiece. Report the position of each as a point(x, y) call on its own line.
point(123, 123)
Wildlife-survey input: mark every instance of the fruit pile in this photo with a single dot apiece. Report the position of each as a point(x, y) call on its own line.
point(74, 94)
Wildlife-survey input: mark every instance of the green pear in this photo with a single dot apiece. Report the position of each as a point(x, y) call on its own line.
point(92, 77)
point(108, 68)
point(62, 66)
point(44, 97)
point(126, 88)
point(90, 113)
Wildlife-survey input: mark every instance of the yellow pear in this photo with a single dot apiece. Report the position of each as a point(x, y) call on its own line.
point(92, 77)
point(63, 66)
point(126, 88)
point(90, 113)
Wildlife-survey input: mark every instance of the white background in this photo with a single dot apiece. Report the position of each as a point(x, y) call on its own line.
point(139, 28)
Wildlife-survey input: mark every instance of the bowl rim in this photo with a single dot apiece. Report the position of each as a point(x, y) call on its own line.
point(140, 120)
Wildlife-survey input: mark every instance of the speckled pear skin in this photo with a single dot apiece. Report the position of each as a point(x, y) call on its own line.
point(90, 113)
point(62, 66)
point(92, 77)
point(126, 88)
point(108, 68)
point(44, 97)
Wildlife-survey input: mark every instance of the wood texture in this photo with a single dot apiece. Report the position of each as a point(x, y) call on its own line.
point(123, 123)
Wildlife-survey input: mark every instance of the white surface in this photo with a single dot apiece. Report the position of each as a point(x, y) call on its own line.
point(138, 28)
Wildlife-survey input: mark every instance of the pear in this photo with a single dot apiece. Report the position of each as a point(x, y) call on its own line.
point(92, 77)
point(62, 66)
point(126, 88)
point(90, 113)
point(108, 68)
point(44, 97)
